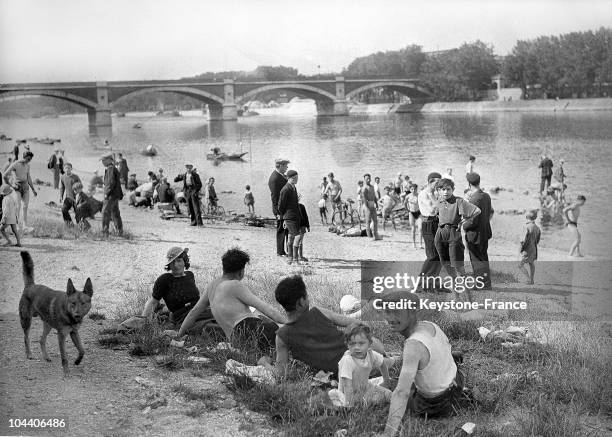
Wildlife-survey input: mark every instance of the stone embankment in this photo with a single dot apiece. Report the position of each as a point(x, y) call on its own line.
point(563, 105)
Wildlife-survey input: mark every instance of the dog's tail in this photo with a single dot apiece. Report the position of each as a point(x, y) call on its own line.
point(28, 268)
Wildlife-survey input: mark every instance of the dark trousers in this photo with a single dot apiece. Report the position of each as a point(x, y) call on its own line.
point(66, 207)
point(449, 245)
point(480, 261)
point(195, 213)
point(545, 182)
point(56, 178)
point(431, 266)
point(110, 211)
point(281, 237)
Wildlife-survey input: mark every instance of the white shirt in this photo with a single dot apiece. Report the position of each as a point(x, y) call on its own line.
point(469, 167)
point(428, 203)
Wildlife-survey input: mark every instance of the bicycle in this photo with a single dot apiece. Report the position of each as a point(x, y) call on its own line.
point(345, 216)
point(215, 212)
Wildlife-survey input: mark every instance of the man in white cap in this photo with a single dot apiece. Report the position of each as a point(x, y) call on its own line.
point(276, 183)
point(112, 195)
point(191, 190)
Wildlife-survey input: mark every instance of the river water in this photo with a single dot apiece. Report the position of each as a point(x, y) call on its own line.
point(507, 146)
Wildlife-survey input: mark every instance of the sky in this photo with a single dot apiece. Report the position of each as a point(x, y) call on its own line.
point(104, 40)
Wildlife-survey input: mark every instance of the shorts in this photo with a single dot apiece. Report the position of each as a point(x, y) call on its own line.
point(323, 210)
point(292, 227)
point(255, 334)
point(415, 214)
point(442, 405)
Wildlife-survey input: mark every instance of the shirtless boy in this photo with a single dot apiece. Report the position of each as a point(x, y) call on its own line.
point(571, 214)
point(229, 300)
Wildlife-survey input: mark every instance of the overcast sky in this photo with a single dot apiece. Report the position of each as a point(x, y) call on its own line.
point(83, 40)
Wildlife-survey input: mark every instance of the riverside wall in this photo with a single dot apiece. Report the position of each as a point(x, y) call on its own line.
point(550, 105)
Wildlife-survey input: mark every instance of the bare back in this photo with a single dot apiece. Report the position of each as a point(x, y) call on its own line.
point(226, 304)
point(574, 212)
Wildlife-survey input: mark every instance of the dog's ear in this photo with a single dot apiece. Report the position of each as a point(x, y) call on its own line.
point(70, 288)
point(88, 289)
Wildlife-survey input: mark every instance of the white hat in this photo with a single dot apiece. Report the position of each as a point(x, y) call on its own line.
point(349, 303)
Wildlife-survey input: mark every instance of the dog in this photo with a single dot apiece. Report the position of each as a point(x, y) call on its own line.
point(59, 310)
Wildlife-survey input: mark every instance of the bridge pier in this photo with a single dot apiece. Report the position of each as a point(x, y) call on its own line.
point(222, 112)
point(100, 121)
point(332, 109)
point(338, 107)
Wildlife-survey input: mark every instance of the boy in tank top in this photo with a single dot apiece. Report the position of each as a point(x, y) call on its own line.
point(430, 382)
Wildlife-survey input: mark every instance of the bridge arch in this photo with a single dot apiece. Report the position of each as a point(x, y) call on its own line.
point(409, 89)
point(81, 101)
point(195, 93)
point(308, 91)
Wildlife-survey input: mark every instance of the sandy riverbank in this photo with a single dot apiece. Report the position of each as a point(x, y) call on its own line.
point(105, 386)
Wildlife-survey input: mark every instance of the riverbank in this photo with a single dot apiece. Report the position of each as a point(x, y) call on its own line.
point(134, 395)
point(550, 105)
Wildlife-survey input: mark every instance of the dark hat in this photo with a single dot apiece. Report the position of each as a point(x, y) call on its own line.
point(433, 175)
point(473, 178)
point(189, 165)
point(291, 173)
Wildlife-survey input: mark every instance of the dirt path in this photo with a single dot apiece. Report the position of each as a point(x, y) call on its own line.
point(102, 396)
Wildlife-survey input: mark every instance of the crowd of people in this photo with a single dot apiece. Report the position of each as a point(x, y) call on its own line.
point(430, 383)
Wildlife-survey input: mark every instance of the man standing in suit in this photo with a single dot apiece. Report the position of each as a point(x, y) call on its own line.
point(276, 183)
point(477, 236)
point(112, 195)
point(191, 190)
point(546, 165)
point(288, 206)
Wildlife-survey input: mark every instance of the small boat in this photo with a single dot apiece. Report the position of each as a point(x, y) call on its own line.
point(225, 157)
point(149, 151)
point(120, 114)
point(5, 138)
point(47, 140)
point(137, 126)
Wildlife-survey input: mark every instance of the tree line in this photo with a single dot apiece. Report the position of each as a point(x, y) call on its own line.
point(576, 64)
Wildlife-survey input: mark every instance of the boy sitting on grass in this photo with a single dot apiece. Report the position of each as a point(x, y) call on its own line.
point(429, 384)
point(312, 334)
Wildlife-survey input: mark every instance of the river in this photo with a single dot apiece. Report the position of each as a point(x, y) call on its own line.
point(507, 146)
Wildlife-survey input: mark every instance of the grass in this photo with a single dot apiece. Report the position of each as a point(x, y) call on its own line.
point(570, 384)
point(53, 227)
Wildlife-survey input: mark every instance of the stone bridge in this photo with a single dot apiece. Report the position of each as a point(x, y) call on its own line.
point(222, 98)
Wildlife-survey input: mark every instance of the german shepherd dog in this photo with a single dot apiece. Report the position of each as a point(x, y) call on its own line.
point(59, 310)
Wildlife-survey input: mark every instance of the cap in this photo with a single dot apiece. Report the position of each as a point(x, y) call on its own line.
point(281, 161)
point(189, 165)
point(291, 173)
point(174, 253)
point(433, 175)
